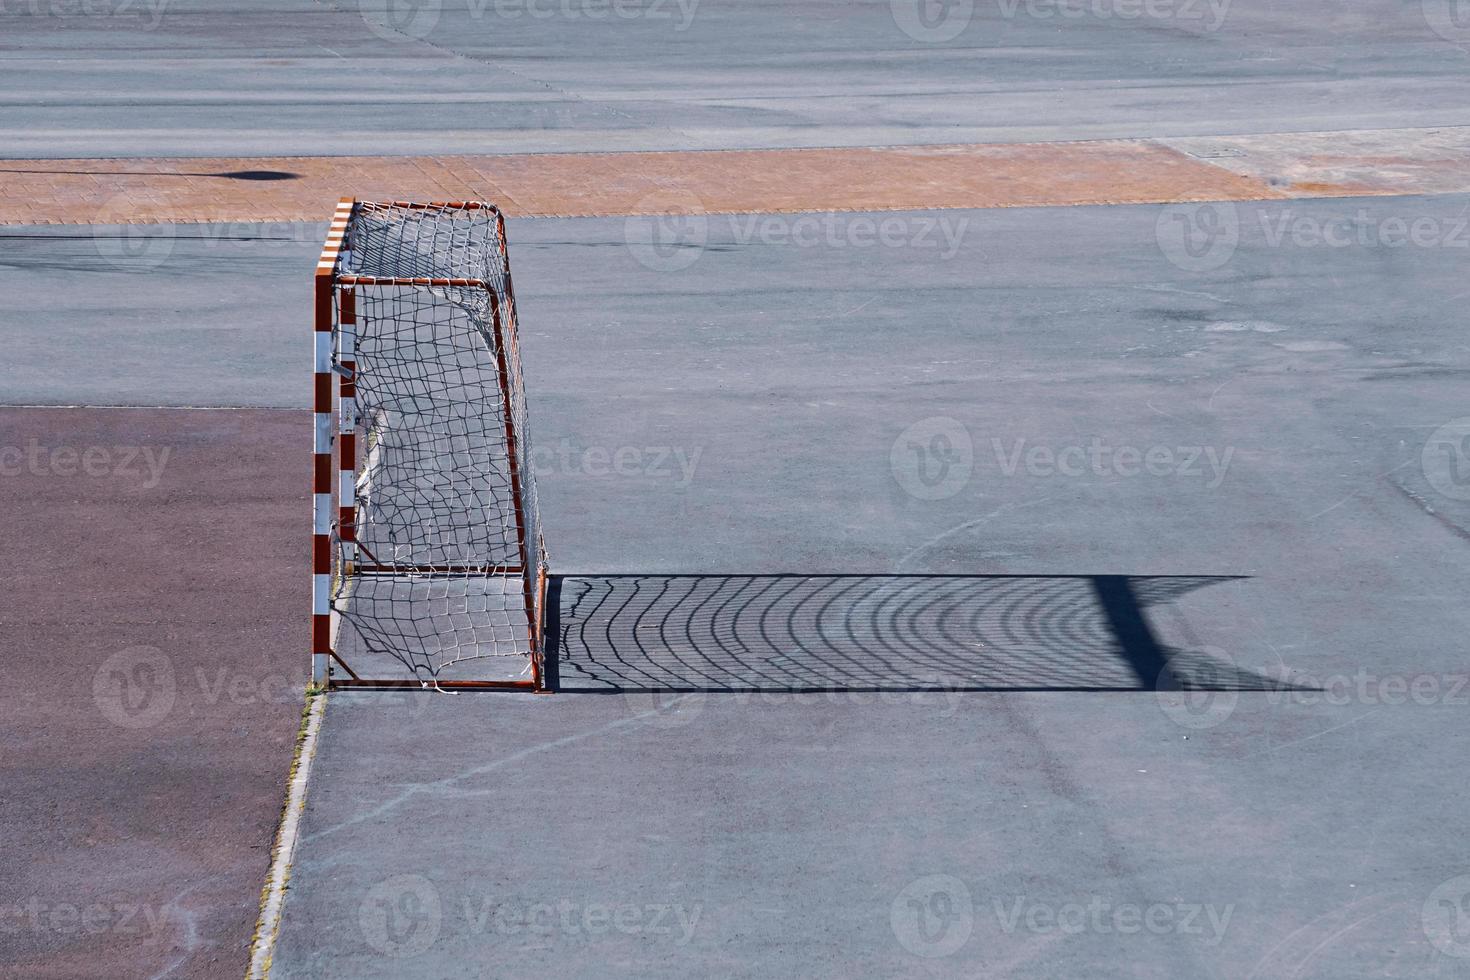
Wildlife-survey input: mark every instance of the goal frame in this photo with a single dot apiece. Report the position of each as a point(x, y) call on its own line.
point(334, 458)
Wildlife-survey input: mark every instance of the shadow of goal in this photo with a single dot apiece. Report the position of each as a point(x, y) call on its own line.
point(813, 633)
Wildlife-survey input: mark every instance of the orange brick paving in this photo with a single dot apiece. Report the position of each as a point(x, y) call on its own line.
point(146, 190)
point(851, 179)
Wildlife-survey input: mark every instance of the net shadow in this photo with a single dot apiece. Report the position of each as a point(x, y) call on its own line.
point(806, 633)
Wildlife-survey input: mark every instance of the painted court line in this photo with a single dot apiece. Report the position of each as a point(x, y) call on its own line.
point(1226, 168)
point(273, 898)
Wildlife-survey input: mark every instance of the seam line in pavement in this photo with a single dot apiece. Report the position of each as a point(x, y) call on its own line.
point(273, 896)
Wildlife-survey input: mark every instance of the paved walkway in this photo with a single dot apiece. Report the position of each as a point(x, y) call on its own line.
point(152, 635)
point(1231, 168)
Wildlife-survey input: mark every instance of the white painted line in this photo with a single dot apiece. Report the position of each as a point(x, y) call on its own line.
point(273, 898)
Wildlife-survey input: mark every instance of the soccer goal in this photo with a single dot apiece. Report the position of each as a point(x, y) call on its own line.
point(428, 566)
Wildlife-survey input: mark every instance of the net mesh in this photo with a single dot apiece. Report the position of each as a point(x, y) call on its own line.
point(444, 566)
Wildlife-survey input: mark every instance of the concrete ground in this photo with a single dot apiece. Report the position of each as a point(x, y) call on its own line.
point(1264, 394)
point(151, 709)
point(799, 828)
point(267, 77)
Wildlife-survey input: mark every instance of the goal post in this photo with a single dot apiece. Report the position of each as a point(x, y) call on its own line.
point(429, 568)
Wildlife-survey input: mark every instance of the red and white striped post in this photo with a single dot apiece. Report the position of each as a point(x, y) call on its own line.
point(321, 541)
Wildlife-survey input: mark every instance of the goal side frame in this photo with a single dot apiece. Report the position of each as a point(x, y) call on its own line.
point(335, 442)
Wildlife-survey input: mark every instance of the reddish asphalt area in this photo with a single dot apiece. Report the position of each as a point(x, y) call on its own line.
point(153, 625)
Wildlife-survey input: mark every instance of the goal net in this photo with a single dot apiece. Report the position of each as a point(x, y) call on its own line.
point(434, 562)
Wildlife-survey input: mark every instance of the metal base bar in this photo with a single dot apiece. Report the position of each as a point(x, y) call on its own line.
point(411, 685)
point(433, 570)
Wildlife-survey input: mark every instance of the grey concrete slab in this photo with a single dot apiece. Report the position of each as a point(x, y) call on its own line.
point(153, 631)
point(285, 76)
point(206, 315)
point(922, 835)
point(1265, 391)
